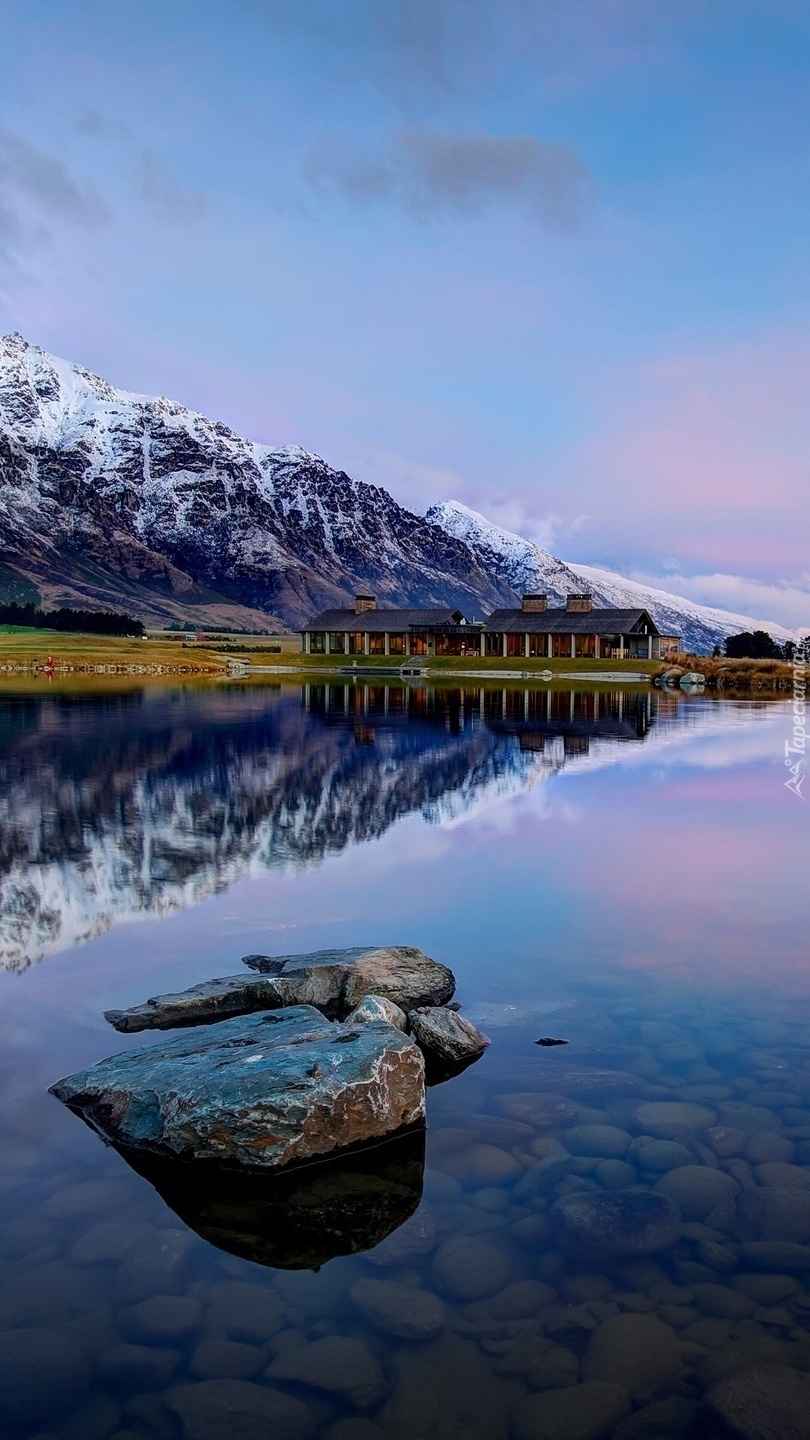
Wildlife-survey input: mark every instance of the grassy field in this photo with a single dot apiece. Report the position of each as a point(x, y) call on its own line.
point(30, 650)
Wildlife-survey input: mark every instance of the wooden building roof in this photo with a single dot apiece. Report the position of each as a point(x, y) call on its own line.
point(597, 621)
point(379, 621)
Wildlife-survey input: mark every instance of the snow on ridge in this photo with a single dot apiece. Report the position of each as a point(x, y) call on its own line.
point(526, 566)
point(652, 597)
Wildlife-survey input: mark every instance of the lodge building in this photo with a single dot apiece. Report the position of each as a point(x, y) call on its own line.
point(535, 630)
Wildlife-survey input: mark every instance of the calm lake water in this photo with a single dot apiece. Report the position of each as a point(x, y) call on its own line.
point(625, 871)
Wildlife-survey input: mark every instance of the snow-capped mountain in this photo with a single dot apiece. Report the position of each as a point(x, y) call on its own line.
point(525, 567)
point(134, 499)
point(123, 501)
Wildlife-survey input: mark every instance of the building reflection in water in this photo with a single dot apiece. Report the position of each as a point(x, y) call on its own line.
point(533, 716)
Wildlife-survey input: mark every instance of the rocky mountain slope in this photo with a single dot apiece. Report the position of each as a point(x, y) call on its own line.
point(129, 498)
point(120, 501)
point(523, 566)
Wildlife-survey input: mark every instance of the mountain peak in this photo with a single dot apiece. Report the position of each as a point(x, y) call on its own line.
point(116, 500)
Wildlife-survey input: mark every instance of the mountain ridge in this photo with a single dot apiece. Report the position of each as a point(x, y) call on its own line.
point(527, 567)
point(113, 499)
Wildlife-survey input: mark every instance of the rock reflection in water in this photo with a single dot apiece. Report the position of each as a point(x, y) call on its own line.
point(300, 1220)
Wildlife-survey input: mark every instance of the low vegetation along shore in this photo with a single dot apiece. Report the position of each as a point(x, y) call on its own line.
point(724, 674)
point(50, 652)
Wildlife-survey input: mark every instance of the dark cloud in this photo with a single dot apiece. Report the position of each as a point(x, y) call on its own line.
point(34, 179)
point(429, 173)
point(406, 45)
point(167, 199)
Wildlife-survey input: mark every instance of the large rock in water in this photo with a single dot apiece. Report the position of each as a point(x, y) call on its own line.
point(269, 1090)
point(334, 981)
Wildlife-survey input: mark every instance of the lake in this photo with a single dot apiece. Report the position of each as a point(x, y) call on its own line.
point(623, 870)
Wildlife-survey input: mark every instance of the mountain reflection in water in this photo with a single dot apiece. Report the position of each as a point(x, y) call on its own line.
point(119, 806)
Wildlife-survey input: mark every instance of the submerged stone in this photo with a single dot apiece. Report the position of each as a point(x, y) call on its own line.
point(334, 981)
point(696, 1189)
point(775, 1255)
point(404, 1311)
point(266, 1091)
point(636, 1351)
point(577, 1412)
point(617, 1224)
point(212, 1409)
point(672, 1119)
point(761, 1403)
point(41, 1373)
point(538, 1109)
point(766, 1214)
point(338, 1364)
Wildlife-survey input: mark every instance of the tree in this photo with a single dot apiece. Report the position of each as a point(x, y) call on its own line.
point(756, 645)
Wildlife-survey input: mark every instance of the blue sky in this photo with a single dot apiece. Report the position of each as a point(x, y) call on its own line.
point(550, 259)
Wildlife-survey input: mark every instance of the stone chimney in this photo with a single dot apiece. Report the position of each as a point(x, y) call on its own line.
point(533, 604)
point(362, 603)
point(579, 604)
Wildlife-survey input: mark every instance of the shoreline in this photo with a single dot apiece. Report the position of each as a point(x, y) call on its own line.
point(47, 654)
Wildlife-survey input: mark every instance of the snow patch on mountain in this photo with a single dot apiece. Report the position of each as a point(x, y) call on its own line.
point(154, 494)
point(526, 568)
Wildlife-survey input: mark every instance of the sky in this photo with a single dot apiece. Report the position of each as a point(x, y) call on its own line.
point(546, 257)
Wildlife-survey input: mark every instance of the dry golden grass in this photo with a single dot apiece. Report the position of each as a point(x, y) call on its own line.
point(723, 674)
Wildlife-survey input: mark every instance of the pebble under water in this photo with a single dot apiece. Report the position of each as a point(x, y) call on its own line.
point(602, 1240)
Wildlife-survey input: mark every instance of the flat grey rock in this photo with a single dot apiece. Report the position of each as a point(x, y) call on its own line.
point(401, 973)
point(266, 1091)
point(334, 981)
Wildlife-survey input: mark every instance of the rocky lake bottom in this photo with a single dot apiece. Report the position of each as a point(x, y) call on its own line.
point(603, 1240)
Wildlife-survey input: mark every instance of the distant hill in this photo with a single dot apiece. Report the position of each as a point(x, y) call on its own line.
point(110, 500)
